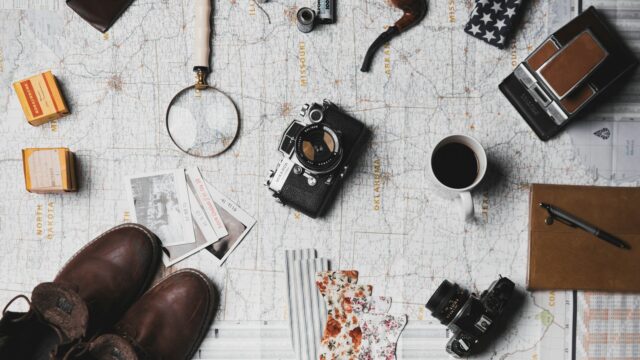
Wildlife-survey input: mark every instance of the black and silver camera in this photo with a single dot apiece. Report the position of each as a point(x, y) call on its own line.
point(318, 153)
point(468, 316)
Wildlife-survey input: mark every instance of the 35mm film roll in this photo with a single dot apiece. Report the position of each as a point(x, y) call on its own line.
point(306, 19)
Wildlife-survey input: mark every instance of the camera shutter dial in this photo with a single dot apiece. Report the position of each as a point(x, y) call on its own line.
point(312, 181)
point(316, 115)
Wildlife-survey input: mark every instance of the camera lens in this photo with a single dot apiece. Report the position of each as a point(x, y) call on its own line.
point(447, 301)
point(318, 148)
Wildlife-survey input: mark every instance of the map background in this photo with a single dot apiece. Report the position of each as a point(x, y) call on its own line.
point(437, 81)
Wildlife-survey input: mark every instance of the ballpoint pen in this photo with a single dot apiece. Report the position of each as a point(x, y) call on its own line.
point(570, 220)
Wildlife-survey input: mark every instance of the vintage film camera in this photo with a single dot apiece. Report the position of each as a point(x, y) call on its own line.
point(468, 316)
point(318, 153)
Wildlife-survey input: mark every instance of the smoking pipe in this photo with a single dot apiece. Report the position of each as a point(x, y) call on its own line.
point(414, 12)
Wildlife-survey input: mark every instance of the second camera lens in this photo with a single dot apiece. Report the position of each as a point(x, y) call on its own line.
point(447, 301)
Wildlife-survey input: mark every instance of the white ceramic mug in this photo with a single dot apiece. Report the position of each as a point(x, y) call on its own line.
point(464, 194)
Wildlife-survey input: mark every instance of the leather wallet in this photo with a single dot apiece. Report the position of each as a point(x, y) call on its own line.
point(101, 14)
point(494, 21)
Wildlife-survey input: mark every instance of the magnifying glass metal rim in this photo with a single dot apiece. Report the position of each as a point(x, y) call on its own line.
point(200, 87)
point(202, 69)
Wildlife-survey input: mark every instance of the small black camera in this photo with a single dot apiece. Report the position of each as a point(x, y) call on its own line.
point(468, 316)
point(318, 153)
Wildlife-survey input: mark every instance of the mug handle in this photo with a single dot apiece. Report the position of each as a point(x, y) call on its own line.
point(467, 205)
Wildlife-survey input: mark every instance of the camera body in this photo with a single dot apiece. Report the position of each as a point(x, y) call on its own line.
point(469, 316)
point(317, 155)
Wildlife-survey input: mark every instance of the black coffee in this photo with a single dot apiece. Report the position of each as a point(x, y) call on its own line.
point(455, 165)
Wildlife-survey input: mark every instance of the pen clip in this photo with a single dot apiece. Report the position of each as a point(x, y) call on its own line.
point(551, 218)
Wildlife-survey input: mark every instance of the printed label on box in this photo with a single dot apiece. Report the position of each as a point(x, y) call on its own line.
point(32, 100)
point(45, 170)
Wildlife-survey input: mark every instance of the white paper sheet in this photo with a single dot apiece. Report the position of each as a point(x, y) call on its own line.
point(608, 139)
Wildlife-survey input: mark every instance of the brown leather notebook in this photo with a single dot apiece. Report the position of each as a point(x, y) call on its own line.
point(561, 257)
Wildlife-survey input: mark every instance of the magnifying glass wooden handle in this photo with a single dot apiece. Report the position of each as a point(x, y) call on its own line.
point(203, 34)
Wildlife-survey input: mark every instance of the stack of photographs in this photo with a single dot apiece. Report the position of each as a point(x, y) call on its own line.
point(187, 214)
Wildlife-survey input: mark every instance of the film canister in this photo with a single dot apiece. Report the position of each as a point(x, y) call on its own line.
point(326, 11)
point(306, 19)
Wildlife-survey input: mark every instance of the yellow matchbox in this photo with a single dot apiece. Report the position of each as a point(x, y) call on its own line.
point(49, 170)
point(41, 98)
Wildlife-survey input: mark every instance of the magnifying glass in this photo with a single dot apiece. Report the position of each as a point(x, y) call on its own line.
point(202, 120)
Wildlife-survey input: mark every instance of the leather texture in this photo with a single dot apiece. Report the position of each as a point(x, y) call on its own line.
point(112, 272)
point(572, 65)
point(101, 14)
point(542, 54)
point(561, 257)
point(90, 293)
point(169, 322)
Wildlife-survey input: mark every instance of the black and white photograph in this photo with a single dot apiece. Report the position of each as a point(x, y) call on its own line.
point(237, 221)
point(221, 247)
point(160, 202)
point(204, 235)
point(199, 193)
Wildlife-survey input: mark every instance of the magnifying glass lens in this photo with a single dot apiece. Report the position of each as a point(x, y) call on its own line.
point(202, 122)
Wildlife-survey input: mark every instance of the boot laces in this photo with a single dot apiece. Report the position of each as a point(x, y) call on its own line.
point(4, 311)
point(78, 349)
point(31, 313)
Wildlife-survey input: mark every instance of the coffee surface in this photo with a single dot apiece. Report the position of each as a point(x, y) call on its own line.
point(455, 165)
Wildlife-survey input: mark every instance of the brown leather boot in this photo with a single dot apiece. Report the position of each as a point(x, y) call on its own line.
point(92, 291)
point(168, 322)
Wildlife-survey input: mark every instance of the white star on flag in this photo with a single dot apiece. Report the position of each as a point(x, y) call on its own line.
point(495, 15)
point(497, 7)
point(475, 29)
point(489, 35)
point(486, 18)
point(510, 12)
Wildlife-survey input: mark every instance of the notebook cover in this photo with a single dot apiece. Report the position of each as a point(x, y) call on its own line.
point(561, 257)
